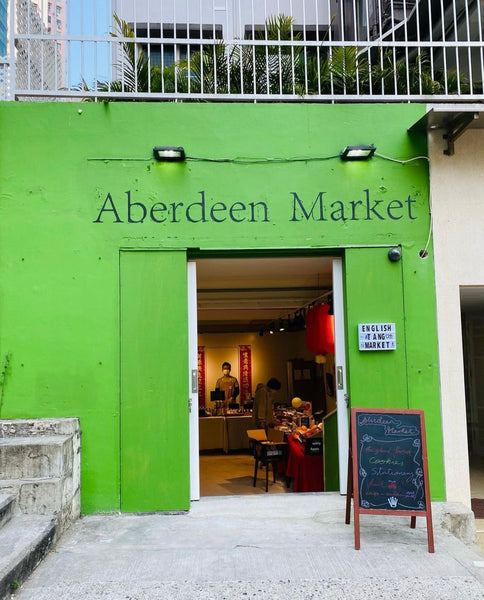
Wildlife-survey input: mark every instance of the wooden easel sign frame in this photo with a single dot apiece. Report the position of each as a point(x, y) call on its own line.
point(387, 467)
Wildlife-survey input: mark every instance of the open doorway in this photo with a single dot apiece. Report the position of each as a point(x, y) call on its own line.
point(251, 314)
point(472, 309)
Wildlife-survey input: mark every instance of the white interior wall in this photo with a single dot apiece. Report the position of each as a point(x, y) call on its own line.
point(458, 230)
point(270, 354)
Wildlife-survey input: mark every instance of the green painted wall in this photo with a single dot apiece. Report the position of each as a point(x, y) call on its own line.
point(78, 184)
point(154, 368)
point(380, 291)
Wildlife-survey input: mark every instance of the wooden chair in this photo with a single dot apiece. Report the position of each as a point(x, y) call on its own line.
point(266, 450)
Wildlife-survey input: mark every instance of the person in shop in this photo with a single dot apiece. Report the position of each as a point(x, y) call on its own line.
point(228, 384)
point(263, 409)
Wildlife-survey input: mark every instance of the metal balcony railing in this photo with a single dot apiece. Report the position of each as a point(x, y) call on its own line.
point(243, 50)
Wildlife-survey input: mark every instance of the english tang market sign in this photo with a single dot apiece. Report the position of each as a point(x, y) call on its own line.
point(377, 336)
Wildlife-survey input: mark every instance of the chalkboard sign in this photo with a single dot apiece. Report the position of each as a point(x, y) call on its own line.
point(388, 465)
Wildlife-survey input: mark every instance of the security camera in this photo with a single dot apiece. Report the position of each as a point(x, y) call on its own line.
point(395, 254)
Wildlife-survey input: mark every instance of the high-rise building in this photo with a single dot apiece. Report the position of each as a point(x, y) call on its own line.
point(312, 22)
point(40, 62)
point(3, 27)
point(228, 21)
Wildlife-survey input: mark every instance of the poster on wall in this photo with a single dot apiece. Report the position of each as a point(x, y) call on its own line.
point(201, 376)
point(245, 371)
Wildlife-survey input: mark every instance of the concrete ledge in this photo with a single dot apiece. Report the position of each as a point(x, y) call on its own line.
point(38, 427)
point(39, 492)
point(456, 518)
point(28, 538)
point(32, 457)
point(40, 466)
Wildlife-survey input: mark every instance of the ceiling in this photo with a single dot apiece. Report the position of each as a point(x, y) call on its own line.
point(248, 294)
point(240, 295)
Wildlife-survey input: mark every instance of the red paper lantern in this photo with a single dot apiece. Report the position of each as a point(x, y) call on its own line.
point(320, 330)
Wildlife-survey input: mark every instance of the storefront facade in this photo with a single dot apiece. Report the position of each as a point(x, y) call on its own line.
point(458, 223)
point(96, 237)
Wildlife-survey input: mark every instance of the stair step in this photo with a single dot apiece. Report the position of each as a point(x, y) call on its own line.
point(42, 456)
point(33, 428)
point(7, 504)
point(24, 541)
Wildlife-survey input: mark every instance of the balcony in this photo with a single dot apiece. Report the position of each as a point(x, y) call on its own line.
point(245, 51)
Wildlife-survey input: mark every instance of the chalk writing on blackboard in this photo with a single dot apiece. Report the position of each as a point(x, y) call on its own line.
point(390, 467)
point(387, 467)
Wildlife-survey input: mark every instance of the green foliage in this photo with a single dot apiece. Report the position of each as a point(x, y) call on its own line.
point(133, 64)
point(349, 70)
point(265, 69)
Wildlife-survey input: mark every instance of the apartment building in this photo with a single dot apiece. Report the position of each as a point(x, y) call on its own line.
point(40, 61)
point(3, 27)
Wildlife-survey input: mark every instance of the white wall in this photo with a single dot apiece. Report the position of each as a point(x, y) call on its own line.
point(457, 184)
point(232, 15)
point(270, 354)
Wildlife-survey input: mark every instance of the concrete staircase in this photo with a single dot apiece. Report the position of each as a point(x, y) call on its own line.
point(39, 492)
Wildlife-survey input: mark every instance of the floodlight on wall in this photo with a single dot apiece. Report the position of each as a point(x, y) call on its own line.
point(361, 152)
point(169, 153)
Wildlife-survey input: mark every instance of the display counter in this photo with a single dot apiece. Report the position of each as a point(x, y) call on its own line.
point(212, 433)
point(224, 433)
point(306, 472)
point(237, 427)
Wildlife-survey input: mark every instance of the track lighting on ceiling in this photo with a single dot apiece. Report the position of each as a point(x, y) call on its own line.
point(298, 320)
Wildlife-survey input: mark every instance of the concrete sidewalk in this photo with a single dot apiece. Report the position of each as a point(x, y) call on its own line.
point(263, 547)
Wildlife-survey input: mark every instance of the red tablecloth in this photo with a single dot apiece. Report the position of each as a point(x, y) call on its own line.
point(307, 472)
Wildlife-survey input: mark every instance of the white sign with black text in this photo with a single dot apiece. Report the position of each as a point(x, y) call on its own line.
point(377, 336)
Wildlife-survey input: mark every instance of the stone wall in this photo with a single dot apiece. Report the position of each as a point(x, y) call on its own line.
point(40, 466)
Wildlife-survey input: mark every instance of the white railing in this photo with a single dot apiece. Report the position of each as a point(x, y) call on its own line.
point(245, 50)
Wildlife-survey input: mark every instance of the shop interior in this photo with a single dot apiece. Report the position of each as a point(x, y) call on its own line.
point(262, 315)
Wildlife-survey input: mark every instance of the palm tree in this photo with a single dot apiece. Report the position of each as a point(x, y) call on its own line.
point(265, 69)
point(133, 65)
